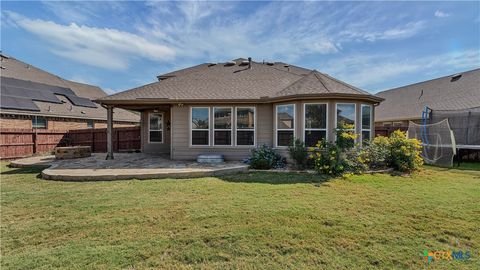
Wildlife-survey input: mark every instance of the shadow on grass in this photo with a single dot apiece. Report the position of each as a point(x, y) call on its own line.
point(276, 178)
point(26, 170)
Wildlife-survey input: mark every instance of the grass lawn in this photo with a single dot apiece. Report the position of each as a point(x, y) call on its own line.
point(256, 220)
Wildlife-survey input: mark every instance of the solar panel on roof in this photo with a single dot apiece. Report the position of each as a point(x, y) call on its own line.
point(20, 94)
point(7, 102)
point(80, 101)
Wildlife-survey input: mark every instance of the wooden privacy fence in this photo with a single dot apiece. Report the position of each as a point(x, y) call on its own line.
point(16, 143)
point(386, 131)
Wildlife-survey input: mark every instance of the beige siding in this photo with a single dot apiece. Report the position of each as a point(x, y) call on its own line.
point(155, 148)
point(177, 140)
point(181, 149)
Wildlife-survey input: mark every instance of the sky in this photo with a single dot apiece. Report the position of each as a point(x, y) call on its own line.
point(122, 45)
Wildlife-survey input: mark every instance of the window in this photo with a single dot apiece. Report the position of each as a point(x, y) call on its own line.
point(90, 124)
point(39, 123)
point(315, 123)
point(155, 127)
point(346, 115)
point(366, 122)
point(200, 126)
point(222, 126)
point(245, 125)
point(285, 124)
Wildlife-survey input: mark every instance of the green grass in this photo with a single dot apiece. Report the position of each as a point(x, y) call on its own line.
point(256, 220)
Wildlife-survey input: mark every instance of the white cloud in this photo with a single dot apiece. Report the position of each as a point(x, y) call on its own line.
point(101, 47)
point(441, 14)
point(373, 69)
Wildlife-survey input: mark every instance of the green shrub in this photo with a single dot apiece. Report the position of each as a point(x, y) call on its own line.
point(298, 152)
point(376, 154)
point(265, 158)
point(404, 152)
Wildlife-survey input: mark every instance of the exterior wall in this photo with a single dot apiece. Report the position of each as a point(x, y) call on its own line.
point(15, 123)
point(156, 148)
point(181, 149)
point(25, 122)
point(399, 123)
point(178, 145)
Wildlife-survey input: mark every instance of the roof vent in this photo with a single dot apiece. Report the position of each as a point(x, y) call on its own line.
point(456, 77)
point(230, 63)
point(270, 63)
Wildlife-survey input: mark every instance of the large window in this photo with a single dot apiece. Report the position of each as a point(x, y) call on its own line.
point(245, 125)
point(315, 123)
point(155, 127)
point(222, 126)
point(285, 124)
point(346, 116)
point(39, 123)
point(366, 122)
point(200, 126)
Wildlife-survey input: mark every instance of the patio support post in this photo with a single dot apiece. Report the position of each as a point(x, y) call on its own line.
point(109, 132)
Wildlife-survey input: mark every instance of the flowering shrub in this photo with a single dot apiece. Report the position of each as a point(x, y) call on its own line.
point(345, 136)
point(376, 155)
point(265, 158)
point(327, 159)
point(404, 152)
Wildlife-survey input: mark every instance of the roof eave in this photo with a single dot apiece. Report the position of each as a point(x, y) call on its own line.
point(153, 101)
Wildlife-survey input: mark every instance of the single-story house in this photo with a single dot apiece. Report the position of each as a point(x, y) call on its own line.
point(32, 98)
point(454, 92)
point(229, 108)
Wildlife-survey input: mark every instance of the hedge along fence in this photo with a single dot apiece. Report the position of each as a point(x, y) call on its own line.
point(16, 143)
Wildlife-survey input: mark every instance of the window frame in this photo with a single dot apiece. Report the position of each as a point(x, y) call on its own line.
point(305, 129)
point(35, 122)
point(354, 121)
point(361, 121)
point(90, 121)
point(283, 129)
point(191, 129)
point(246, 129)
point(162, 129)
point(221, 129)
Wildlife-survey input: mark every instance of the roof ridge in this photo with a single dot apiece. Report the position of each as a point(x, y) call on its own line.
point(347, 85)
point(434, 79)
point(315, 73)
point(287, 71)
point(294, 82)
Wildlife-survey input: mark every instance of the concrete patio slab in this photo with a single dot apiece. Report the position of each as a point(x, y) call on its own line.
point(126, 166)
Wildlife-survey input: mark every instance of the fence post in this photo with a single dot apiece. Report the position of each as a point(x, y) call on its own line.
point(34, 138)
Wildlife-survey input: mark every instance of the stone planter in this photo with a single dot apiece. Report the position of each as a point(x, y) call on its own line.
point(72, 152)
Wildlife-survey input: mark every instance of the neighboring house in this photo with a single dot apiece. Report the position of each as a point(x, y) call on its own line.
point(230, 108)
point(454, 92)
point(34, 98)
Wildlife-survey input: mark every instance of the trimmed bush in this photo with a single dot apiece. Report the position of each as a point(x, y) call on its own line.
point(265, 158)
point(298, 152)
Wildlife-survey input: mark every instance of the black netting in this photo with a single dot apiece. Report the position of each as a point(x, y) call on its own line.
point(465, 124)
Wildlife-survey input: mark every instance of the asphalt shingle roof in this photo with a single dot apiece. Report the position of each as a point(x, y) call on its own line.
point(13, 68)
point(238, 82)
point(443, 93)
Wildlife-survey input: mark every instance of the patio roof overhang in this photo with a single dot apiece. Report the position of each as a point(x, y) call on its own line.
point(146, 103)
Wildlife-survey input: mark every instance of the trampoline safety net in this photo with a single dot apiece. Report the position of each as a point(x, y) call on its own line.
point(465, 124)
point(437, 140)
